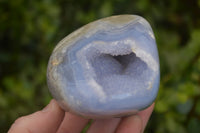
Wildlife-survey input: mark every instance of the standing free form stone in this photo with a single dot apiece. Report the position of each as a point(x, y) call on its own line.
point(107, 68)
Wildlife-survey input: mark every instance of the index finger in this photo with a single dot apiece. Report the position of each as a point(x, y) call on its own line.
point(145, 115)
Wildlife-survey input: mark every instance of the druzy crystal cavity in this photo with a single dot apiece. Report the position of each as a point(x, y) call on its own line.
point(107, 68)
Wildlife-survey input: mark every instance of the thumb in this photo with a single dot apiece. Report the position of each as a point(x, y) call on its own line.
point(46, 121)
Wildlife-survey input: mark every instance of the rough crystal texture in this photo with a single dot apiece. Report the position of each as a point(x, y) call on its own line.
point(107, 68)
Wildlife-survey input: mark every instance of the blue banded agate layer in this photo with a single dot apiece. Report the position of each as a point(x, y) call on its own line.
point(107, 68)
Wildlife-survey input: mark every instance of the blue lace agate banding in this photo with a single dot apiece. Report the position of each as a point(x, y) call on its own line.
point(107, 68)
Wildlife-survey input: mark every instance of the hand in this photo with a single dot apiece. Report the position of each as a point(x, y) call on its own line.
point(52, 119)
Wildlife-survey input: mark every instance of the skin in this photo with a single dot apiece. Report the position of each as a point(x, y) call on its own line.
point(52, 119)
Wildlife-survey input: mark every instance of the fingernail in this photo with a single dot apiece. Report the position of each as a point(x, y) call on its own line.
point(48, 107)
point(138, 120)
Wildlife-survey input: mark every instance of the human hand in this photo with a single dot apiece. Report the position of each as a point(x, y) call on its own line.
point(52, 119)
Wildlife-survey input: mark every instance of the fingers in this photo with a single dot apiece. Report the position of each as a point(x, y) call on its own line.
point(131, 124)
point(145, 114)
point(104, 126)
point(45, 121)
point(72, 124)
point(135, 123)
point(50, 120)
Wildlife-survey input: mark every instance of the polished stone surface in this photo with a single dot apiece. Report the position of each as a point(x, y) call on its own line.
point(107, 68)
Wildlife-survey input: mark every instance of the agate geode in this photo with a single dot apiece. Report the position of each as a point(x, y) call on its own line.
point(107, 68)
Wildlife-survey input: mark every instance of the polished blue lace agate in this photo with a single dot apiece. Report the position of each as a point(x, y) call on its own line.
point(107, 68)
